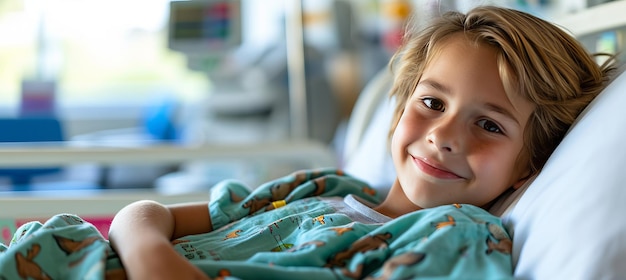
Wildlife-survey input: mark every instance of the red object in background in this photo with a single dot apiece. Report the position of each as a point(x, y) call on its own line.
point(392, 39)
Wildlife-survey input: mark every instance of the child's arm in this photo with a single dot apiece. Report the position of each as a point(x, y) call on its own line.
point(141, 233)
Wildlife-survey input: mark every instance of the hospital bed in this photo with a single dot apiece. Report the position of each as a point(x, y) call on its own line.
point(99, 205)
point(566, 223)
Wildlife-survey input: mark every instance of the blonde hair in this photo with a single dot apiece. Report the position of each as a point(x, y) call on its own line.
point(536, 59)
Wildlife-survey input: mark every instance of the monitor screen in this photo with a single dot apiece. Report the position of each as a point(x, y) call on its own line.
point(204, 27)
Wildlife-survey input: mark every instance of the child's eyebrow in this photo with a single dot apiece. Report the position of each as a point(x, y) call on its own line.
point(503, 111)
point(434, 84)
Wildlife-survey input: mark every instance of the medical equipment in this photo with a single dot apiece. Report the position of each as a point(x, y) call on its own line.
point(209, 34)
point(208, 27)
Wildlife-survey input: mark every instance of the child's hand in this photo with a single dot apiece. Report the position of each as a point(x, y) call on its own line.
point(161, 262)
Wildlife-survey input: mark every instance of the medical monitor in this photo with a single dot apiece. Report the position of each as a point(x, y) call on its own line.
point(204, 27)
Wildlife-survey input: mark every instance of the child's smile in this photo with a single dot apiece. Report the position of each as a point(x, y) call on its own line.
point(435, 170)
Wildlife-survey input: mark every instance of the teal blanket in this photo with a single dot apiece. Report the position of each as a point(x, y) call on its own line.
point(271, 233)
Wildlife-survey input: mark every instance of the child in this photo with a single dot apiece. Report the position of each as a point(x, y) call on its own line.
point(482, 101)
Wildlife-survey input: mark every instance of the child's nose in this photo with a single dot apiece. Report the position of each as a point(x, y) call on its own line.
point(447, 135)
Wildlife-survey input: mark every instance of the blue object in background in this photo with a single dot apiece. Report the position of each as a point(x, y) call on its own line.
point(159, 120)
point(29, 129)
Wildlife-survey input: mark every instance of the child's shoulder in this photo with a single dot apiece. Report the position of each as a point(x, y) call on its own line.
point(324, 182)
point(233, 200)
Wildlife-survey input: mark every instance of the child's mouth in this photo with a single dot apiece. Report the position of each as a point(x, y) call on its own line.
point(435, 171)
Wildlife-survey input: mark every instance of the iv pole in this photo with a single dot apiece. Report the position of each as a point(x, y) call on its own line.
point(295, 69)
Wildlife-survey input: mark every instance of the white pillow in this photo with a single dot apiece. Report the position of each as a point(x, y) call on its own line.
point(366, 154)
point(570, 223)
point(371, 160)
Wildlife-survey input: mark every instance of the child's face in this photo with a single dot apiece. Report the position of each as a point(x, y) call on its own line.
point(460, 136)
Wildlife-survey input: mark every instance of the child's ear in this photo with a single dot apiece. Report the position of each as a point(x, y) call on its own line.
point(521, 181)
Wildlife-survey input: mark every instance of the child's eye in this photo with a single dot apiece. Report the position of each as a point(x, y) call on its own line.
point(433, 103)
point(490, 126)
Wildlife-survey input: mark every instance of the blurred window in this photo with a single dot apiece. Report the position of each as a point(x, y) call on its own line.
point(100, 53)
